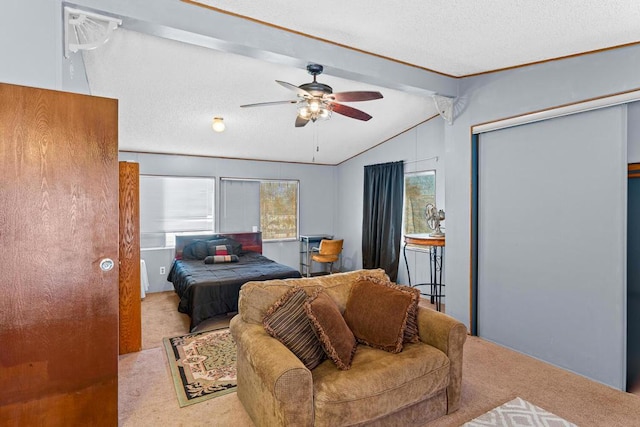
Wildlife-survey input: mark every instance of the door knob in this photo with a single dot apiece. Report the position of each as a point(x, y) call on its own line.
point(106, 264)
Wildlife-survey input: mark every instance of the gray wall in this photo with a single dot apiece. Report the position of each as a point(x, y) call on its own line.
point(32, 48)
point(506, 94)
point(425, 141)
point(317, 200)
point(521, 91)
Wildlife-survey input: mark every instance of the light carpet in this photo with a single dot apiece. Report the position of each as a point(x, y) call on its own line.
point(203, 365)
point(519, 413)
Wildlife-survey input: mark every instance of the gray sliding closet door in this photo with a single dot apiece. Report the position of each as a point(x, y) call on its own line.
point(552, 241)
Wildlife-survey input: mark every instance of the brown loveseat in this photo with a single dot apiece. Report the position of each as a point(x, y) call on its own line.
point(417, 385)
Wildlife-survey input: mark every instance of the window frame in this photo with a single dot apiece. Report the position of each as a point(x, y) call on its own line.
point(260, 181)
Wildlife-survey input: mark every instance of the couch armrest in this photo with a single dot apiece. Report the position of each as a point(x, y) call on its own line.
point(448, 335)
point(273, 384)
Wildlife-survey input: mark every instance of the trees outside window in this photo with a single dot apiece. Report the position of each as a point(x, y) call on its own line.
point(419, 191)
point(279, 210)
point(270, 204)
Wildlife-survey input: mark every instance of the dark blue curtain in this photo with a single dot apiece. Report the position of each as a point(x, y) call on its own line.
point(382, 217)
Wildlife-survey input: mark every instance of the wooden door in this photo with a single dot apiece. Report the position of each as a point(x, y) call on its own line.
point(58, 220)
point(130, 291)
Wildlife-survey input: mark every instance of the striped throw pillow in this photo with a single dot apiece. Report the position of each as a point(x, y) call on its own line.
point(219, 259)
point(221, 250)
point(287, 321)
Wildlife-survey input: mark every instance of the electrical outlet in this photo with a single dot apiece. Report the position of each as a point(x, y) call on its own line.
point(161, 270)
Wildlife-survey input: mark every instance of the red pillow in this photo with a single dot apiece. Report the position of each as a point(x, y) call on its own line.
point(220, 250)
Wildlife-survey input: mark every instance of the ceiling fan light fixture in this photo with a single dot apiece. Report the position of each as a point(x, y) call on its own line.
point(304, 112)
point(324, 113)
point(314, 109)
point(218, 124)
point(317, 101)
point(314, 105)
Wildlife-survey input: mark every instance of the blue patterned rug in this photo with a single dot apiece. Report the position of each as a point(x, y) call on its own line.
point(203, 365)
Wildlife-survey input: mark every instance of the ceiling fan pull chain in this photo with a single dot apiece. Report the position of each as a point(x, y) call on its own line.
point(315, 140)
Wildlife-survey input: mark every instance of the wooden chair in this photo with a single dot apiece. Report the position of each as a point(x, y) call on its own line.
point(328, 253)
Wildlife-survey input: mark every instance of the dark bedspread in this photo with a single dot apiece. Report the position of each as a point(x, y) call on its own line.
point(207, 290)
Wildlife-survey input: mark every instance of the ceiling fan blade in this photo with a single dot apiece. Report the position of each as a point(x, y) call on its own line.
point(355, 96)
point(300, 121)
point(262, 104)
point(296, 89)
point(354, 113)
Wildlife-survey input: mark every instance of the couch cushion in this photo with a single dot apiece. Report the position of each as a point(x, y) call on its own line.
point(336, 338)
point(377, 313)
point(378, 383)
point(287, 321)
point(257, 297)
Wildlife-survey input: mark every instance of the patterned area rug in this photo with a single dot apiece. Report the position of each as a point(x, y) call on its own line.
point(203, 365)
point(519, 413)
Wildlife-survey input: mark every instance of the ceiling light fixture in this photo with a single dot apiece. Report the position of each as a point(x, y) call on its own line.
point(314, 109)
point(218, 124)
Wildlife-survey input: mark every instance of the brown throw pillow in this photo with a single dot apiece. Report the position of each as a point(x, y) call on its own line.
point(335, 336)
point(287, 321)
point(411, 334)
point(377, 313)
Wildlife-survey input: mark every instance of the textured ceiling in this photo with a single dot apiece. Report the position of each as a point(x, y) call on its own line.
point(455, 37)
point(169, 90)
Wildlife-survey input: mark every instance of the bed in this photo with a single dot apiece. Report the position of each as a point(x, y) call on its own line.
point(210, 289)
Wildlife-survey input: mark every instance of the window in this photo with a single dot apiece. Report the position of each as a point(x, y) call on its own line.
point(419, 191)
point(279, 209)
point(270, 204)
point(171, 204)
